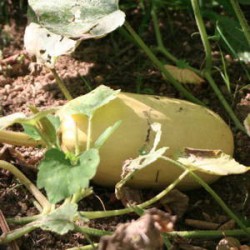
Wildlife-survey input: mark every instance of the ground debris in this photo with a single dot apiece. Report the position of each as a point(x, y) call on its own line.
point(142, 234)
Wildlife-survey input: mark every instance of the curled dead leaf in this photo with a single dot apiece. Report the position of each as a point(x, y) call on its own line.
point(184, 75)
point(213, 162)
point(144, 233)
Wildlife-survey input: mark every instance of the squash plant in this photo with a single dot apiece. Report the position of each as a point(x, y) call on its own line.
point(90, 136)
point(74, 155)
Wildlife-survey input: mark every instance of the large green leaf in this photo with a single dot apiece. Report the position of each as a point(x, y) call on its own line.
point(60, 178)
point(89, 103)
point(78, 18)
point(61, 220)
point(211, 161)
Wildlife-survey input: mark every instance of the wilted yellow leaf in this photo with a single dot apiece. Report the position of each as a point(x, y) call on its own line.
point(184, 75)
point(211, 161)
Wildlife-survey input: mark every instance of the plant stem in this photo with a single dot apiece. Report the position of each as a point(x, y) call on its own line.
point(208, 65)
point(203, 34)
point(208, 234)
point(158, 36)
point(101, 214)
point(61, 85)
point(160, 66)
point(89, 132)
point(224, 102)
point(88, 247)
point(91, 231)
point(27, 183)
point(45, 129)
point(17, 233)
point(82, 193)
point(18, 139)
point(216, 197)
point(23, 220)
point(161, 47)
point(243, 22)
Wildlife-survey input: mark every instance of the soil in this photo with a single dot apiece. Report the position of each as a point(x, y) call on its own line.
point(120, 64)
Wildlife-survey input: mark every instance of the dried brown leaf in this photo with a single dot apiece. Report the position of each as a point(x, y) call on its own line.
point(184, 75)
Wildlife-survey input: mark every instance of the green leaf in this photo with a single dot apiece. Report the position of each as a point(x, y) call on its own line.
point(211, 162)
point(61, 220)
point(247, 124)
point(79, 18)
point(45, 45)
point(233, 38)
point(106, 134)
point(31, 131)
point(60, 178)
point(21, 118)
point(89, 103)
point(55, 121)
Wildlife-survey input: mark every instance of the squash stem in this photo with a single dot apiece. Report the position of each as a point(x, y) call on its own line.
point(208, 65)
point(89, 132)
point(17, 233)
point(101, 214)
point(88, 247)
point(18, 139)
point(203, 34)
point(208, 234)
point(161, 67)
point(61, 85)
point(224, 102)
point(216, 197)
point(158, 36)
point(42, 200)
point(242, 20)
point(160, 45)
point(23, 220)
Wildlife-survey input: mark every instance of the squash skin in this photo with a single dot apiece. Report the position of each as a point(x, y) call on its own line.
point(184, 124)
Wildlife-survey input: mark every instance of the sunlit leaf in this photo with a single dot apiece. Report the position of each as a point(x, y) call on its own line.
point(61, 220)
point(79, 18)
point(89, 103)
point(45, 45)
point(60, 178)
point(211, 161)
point(184, 75)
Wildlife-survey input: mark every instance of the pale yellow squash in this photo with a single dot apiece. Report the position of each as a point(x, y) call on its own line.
point(184, 124)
